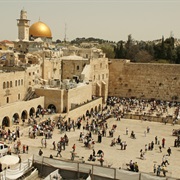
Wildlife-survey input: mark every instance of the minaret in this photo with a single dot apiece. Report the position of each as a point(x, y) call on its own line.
point(23, 26)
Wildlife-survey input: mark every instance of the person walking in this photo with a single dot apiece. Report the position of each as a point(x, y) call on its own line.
point(27, 149)
point(154, 168)
point(74, 147)
point(126, 131)
point(156, 140)
point(59, 151)
point(158, 170)
point(54, 145)
point(40, 152)
point(163, 142)
point(169, 151)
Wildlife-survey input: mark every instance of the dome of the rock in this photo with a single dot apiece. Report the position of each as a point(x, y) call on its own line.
point(40, 29)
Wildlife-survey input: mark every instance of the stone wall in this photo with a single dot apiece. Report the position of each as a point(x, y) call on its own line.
point(79, 95)
point(52, 96)
point(144, 80)
point(64, 99)
point(92, 105)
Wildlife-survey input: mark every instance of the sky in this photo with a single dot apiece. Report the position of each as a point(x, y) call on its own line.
point(111, 20)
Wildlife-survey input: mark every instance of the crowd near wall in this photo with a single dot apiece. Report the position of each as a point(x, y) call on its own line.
point(144, 80)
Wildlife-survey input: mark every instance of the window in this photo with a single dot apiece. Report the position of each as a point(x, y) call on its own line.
point(21, 81)
point(102, 76)
point(19, 96)
point(7, 84)
point(101, 65)
point(7, 100)
point(94, 77)
point(29, 74)
point(16, 83)
point(4, 85)
point(10, 83)
point(77, 67)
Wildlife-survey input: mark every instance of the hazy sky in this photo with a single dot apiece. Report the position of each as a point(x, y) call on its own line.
point(106, 19)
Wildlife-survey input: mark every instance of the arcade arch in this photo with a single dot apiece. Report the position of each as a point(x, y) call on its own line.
point(99, 107)
point(31, 112)
point(87, 113)
point(24, 114)
point(92, 110)
point(52, 108)
point(16, 116)
point(6, 121)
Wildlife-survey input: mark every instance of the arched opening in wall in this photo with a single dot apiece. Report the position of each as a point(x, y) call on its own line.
point(7, 84)
point(38, 111)
point(10, 83)
point(99, 107)
point(7, 100)
point(92, 110)
point(24, 115)
point(4, 85)
point(52, 108)
point(31, 112)
point(96, 110)
point(6, 122)
point(16, 118)
point(87, 113)
point(39, 107)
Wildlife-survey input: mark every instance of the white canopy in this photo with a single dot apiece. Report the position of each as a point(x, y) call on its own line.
point(9, 160)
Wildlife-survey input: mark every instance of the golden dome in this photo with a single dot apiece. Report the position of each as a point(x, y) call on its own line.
point(40, 29)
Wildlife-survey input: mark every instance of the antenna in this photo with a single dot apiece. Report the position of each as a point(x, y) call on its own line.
point(65, 30)
point(171, 34)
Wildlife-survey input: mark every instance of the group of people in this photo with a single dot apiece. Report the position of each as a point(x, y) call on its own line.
point(96, 123)
point(133, 166)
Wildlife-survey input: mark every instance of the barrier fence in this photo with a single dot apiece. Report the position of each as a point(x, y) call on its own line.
point(96, 170)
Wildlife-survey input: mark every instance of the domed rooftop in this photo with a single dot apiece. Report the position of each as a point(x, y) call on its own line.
point(40, 29)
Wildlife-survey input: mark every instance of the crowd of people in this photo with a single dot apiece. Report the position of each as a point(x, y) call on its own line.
point(96, 123)
point(94, 127)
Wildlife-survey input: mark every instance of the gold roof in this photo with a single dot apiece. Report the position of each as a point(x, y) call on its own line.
point(40, 29)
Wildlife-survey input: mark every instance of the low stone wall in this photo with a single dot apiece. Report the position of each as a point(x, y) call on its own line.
point(148, 118)
point(79, 111)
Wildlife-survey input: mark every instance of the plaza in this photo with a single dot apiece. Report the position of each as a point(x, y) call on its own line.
point(114, 156)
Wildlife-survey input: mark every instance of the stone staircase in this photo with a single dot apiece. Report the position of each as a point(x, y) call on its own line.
point(29, 95)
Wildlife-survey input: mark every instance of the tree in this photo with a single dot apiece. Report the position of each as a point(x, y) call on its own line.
point(143, 56)
point(177, 61)
point(108, 50)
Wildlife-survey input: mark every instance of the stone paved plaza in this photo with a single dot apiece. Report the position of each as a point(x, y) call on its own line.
point(113, 155)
